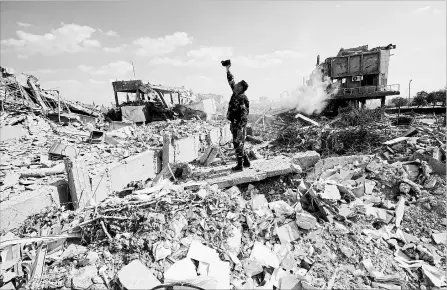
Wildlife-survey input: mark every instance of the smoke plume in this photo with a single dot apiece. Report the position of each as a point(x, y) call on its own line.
point(311, 98)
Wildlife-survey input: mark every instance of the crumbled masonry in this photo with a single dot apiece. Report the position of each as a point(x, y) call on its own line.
point(351, 202)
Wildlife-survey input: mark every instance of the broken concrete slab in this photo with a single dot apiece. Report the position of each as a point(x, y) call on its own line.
point(221, 272)
point(396, 140)
point(118, 175)
point(306, 159)
point(330, 192)
point(281, 208)
point(400, 208)
point(135, 276)
point(202, 253)
point(12, 132)
point(11, 179)
point(288, 233)
point(439, 238)
point(305, 220)
point(82, 280)
point(180, 271)
point(329, 163)
point(78, 182)
point(183, 150)
point(264, 256)
point(259, 170)
point(14, 211)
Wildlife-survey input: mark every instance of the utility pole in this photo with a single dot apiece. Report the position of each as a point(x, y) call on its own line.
point(409, 87)
point(59, 106)
point(133, 67)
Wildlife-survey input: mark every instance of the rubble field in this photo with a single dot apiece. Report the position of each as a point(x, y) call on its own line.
point(355, 203)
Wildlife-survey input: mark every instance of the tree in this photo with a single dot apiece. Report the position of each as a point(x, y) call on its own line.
point(431, 98)
point(441, 97)
point(420, 99)
point(399, 102)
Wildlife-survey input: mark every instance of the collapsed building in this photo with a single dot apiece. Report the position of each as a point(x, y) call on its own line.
point(359, 73)
point(147, 103)
point(350, 203)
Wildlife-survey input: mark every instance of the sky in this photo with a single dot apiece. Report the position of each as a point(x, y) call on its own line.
point(81, 47)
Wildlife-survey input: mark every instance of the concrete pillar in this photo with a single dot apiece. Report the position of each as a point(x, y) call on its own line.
point(78, 182)
point(116, 99)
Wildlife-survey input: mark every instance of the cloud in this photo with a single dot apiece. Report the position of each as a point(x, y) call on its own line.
point(116, 49)
point(111, 33)
point(208, 56)
point(163, 45)
point(96, 82)
point(23, 24)
point(421, 10)
point(69, 38)
point(43, 71)
point(201, 57)
point(115, 69)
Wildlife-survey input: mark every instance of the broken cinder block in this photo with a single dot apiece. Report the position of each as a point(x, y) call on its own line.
point(135, 276)
point(305, 220)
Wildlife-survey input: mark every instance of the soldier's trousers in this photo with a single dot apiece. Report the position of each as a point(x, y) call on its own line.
point(239, 133)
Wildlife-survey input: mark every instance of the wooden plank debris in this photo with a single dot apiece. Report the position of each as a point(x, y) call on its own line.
point(305, 119)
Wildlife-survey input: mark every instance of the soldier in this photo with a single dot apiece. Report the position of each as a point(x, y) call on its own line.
point(238, 109)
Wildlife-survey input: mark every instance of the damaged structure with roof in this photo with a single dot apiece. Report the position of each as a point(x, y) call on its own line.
point(359, 73)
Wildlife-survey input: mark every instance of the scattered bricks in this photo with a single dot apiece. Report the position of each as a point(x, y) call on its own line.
point(14, 211)
point(306, 159)
point(305, 220)
point(135, 276)
point(180, 150)
point(117, 176)
point(78, 182)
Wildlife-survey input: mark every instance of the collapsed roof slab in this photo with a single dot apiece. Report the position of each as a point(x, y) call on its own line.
point(224, 177)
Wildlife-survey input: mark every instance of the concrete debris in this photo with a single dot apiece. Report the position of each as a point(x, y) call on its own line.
point(136, 276)
point(305, 220)
point(162, 195)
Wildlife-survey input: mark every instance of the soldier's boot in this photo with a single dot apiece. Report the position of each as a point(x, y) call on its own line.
point(239, 166)
point(246, 161)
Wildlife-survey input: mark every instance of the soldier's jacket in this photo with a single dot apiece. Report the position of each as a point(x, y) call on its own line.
point(239, 106)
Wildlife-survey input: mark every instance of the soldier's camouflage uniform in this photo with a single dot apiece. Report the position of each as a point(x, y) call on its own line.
point(237, 114)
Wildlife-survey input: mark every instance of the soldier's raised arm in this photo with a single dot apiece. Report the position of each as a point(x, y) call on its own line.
point(230, 78)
